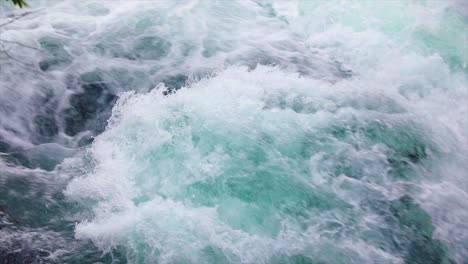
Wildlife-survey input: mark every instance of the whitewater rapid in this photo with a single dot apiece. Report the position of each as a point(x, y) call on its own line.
point(234, 132)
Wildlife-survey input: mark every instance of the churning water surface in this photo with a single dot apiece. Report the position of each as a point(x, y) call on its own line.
point(234, 132)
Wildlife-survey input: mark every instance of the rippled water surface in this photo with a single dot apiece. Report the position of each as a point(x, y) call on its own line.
point(234, 132)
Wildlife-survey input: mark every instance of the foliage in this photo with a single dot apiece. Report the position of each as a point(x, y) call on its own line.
point(19, 3)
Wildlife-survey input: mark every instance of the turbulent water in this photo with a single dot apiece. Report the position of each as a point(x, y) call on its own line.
point(234, 132)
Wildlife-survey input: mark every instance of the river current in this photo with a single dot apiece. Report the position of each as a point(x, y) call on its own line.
point(234, 132)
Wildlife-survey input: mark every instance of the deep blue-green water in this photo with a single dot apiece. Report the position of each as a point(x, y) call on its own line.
point(234, 132)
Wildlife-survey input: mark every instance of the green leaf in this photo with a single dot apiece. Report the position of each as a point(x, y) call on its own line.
point(19, 3)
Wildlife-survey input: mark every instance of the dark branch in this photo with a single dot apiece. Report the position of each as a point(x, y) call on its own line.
point(16, 18)
point(20, 44)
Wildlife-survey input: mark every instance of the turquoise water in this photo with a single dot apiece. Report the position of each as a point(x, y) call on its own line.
point(235, 132)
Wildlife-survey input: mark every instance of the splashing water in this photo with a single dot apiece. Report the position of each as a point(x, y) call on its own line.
point(234, 132)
